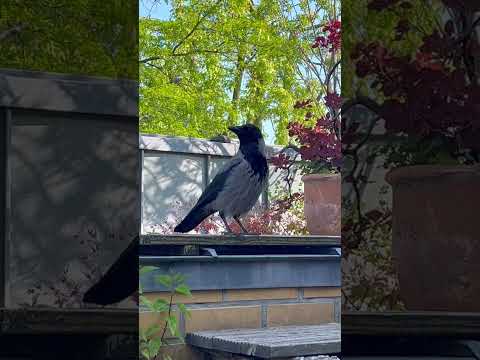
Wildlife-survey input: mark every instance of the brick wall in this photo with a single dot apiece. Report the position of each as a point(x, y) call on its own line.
point(251, 308)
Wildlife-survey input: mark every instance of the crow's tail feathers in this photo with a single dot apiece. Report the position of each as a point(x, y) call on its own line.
point(120, 281)
point(194, 217)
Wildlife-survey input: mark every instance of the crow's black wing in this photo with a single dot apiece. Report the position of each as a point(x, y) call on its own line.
point(120, 281)
point(218, 183)
point(205, 204)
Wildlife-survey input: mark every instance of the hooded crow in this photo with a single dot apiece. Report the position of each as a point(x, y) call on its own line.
point(237, 186)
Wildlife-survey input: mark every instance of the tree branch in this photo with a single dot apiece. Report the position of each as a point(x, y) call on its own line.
point(205, 51)
point(200, 19)
point(6, 33)
point(188, 35)
point(468, 32)
point(149, 59)
point(330, 73)
point(365, 102)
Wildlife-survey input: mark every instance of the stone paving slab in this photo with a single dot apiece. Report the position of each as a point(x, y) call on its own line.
point(270, 343)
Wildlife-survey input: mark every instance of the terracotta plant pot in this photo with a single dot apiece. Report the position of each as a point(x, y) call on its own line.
point(436, 236)
point(323, 203)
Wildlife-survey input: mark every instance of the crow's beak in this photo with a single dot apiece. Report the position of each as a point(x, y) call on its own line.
point(234, 129)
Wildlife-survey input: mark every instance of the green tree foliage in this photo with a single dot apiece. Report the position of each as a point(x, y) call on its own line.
point(216, 63)
point(87, 37)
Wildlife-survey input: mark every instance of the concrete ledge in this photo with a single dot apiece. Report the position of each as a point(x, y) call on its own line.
point(68, 93)
point(179, 144)
point(412, 323)
point(246, 272)
point(198, 297)
point(186, 145)
point(239, 240)
point(68, 321)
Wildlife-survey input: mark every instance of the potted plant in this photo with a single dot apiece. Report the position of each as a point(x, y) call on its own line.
point(316, 138)
point(430, 110)
point(320, 154)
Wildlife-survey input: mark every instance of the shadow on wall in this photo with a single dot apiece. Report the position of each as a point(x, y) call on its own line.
point(170, 182)
point(73, 183)
point(175, 171)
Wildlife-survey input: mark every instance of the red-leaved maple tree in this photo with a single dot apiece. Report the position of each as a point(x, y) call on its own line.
point(317, 140)
point(431, 97)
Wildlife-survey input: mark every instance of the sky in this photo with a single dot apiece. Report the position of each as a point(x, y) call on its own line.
point(161, 10)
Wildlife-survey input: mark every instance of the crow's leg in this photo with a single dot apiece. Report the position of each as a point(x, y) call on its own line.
point(241, 225)
point(229, 231)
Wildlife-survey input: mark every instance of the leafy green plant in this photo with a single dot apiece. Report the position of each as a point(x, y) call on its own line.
point(64, 37)
point(154, 337)
point(212, 64)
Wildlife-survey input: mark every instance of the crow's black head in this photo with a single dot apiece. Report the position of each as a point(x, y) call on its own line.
point(247, 133)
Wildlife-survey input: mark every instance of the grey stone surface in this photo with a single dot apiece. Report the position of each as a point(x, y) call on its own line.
point(271, 343)
point(69, 93)
point(246, 272)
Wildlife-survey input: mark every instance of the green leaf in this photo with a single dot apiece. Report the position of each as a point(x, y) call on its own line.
point(146, 354)
point(154, 347)
point(152, 330)
point(183, 290)
point(144, 301)
point(178, 278)
point(165, 280)
point(173, 325)
point(147, 269)
point(160, 305)
point(183, 309)
point(142, 335)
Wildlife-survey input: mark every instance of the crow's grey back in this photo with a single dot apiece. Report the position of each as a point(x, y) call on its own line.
point(241, 188)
